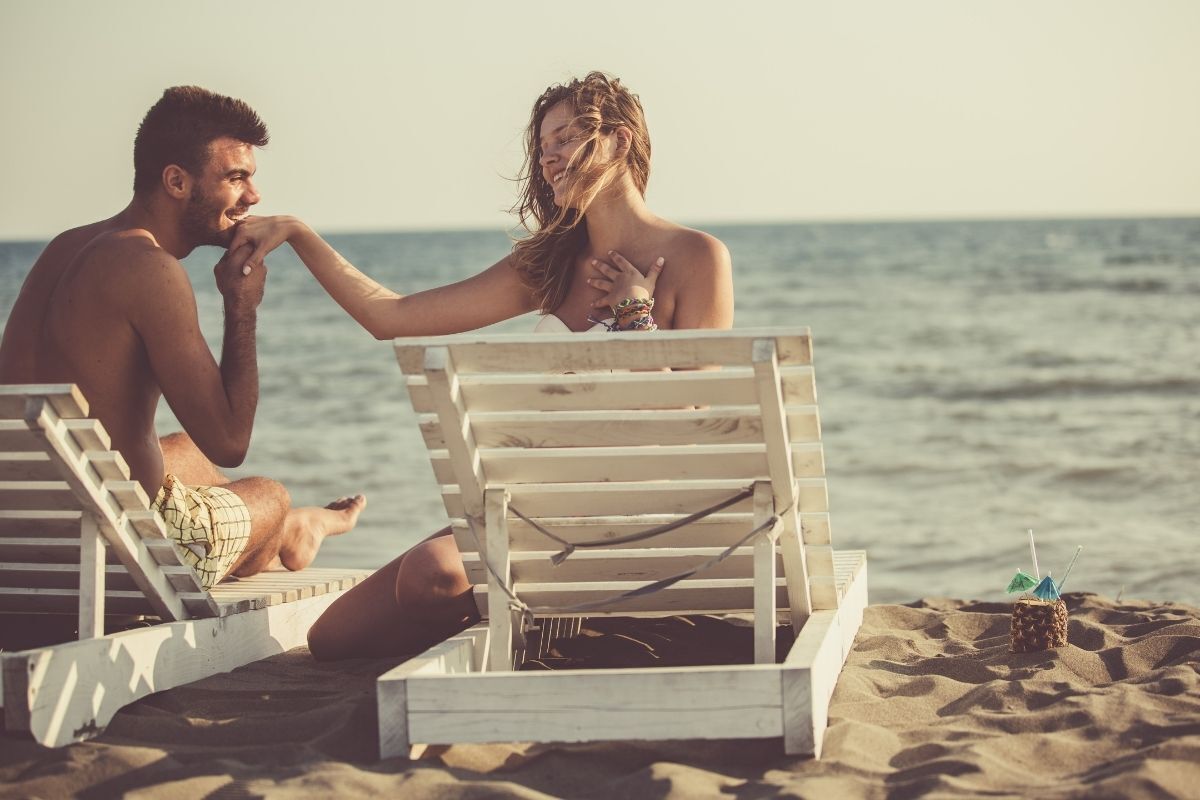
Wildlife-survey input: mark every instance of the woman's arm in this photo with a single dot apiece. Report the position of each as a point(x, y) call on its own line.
point(493, 295)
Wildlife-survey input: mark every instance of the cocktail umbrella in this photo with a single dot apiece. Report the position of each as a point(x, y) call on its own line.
point(1046, 590)
point(1021, 582)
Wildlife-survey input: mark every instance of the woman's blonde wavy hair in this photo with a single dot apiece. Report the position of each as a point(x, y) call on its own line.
point(600, 105)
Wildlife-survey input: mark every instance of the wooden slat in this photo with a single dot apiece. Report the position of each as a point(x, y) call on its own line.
point(48, 524)
point(509, 465)
point(37, 496)
point(776, 427)
point(270, 588)
point(589, 705)
point(459, 439)
point(109, 464)
point(52, 575)
point(718, 530)
point(592, 565)
point(65, 550)
point(88, 434)
point(727, 425)
point(121, 536)
point(26, 600)
point(27, 467)
point(608, 351)
point(65, 398)
point(16, 437)
point(601, 499)
point(699, 596)
point(614, 391)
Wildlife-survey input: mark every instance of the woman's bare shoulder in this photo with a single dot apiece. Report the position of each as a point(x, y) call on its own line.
point(695, 250)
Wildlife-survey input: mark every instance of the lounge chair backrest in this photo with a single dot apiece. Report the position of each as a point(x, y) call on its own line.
point(72, 520)
point(594, 438)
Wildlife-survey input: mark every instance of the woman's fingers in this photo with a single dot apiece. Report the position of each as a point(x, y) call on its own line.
point(604, 268)
point(620, 260)
point(652, 275)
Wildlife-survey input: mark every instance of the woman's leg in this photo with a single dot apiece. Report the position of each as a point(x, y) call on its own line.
point(404, 607)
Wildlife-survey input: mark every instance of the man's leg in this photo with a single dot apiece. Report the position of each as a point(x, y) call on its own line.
point(279, 534)
point(415, 601)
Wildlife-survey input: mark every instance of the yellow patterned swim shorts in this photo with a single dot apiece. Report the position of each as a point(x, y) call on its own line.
point(211, 525)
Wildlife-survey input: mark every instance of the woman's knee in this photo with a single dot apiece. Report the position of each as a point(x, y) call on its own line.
point(324, 641)
point(431, 571)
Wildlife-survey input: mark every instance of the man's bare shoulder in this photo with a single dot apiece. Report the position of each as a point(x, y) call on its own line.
point(135, 257)
point(135, 246)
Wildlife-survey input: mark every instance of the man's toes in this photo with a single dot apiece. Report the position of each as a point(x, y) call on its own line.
point(355, 503)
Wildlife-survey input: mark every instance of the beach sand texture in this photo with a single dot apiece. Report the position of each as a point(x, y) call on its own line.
point(931, 704)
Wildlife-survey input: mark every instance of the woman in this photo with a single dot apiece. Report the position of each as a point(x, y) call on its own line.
point(583, 188)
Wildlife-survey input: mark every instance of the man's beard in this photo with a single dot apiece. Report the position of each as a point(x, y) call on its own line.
point(201, 221)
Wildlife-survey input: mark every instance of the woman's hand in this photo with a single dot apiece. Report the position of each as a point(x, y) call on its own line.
point(264, 234)
point(620, 279)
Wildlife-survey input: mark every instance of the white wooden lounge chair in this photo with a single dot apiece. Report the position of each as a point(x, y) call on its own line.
point(619, 446)
point(77, 536)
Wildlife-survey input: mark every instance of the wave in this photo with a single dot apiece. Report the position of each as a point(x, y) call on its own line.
point(1059, 387)
point(1050, 284)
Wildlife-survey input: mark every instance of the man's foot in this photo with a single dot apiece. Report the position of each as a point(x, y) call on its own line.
point(305, 529)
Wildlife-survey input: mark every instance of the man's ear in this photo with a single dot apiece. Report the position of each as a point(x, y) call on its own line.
point(177, 181)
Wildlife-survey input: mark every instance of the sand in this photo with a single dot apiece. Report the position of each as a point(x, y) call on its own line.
point(931, 704)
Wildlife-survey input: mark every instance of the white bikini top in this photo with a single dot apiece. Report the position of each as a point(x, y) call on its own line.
point(552, 324)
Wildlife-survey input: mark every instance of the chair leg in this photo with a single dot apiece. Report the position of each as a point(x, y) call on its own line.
point(764, 577)
point(91, 578)
point(499, 615)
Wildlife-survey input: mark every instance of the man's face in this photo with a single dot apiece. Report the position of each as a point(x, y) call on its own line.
point(222, 193)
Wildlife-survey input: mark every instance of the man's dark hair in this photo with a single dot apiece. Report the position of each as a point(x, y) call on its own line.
point(180, 126)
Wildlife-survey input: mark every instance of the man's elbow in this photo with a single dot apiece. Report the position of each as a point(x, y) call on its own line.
point(230, 459)
point(228, 454)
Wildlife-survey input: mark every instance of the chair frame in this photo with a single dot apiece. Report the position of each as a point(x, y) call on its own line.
point(77, 535)
point(464, 689)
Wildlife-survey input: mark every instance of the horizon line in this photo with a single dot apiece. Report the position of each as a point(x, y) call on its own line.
point(767, 222)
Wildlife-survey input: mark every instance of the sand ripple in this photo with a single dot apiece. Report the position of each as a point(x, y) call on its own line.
point(931, 704)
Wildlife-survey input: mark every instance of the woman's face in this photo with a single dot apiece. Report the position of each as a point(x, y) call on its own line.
point(559, 138)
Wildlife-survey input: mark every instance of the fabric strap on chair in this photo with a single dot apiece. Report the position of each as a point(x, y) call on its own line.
point(649, 533)
point(527, 613)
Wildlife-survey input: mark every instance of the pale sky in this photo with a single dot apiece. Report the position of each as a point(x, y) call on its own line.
point(385, 115)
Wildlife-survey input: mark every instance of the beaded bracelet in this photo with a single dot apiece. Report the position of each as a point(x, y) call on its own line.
point(630, 307)
point(630, 315)
point(633, 314)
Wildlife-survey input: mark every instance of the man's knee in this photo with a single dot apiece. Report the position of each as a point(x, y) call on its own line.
point(268, 500)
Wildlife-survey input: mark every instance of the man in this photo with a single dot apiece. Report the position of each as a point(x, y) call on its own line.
point(109, 307)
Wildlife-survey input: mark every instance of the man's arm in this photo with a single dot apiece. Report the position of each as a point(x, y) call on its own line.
point(215, 404)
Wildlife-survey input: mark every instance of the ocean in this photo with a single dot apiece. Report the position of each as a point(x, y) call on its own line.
point(976, 379)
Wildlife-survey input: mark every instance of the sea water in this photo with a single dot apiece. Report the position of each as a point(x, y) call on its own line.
point(976, 379)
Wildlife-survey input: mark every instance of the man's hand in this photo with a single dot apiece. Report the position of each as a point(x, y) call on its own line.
point(264, 234)
point(241, 289)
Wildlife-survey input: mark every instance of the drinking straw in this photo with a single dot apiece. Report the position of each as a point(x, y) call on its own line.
point(1033, 552)
point(1069, 567)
